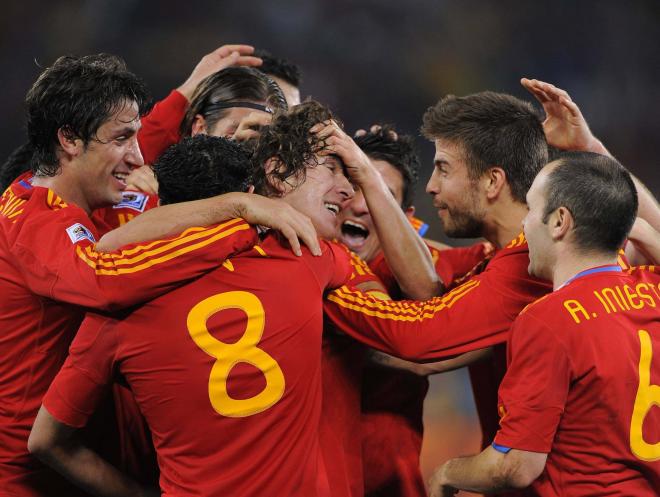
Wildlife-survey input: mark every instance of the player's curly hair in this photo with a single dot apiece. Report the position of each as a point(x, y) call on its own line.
point(397, 149)
point(77, 95)
point(200, 167)
point(287, 140)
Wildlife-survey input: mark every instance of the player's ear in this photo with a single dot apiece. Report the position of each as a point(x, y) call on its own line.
point(494, 180)
point(198, 125)
point(560, 222)
point(273, 167)
point(69, 142)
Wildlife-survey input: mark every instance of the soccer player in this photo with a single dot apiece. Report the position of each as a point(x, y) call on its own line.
point(234, 102)
point(83, 115)
point(226, 370)
point(160, 127)
point(577, 400)
point(392, 400)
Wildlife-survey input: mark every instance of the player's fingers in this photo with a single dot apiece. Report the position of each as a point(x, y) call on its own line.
point(248, 61)
point(292, 237)
point(225, 50)
point(571, 107)
point(245, 135)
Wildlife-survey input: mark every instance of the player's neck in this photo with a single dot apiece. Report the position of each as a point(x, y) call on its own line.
point(570, 264)
point(63, 188)
point(504, 223)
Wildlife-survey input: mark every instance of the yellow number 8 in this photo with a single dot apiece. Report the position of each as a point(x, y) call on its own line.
point(227, 355)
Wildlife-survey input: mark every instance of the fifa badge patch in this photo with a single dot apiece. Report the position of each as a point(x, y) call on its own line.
point(78, 232)
point(133, 200)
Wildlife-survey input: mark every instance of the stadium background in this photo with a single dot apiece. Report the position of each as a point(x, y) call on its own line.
point(376, 61)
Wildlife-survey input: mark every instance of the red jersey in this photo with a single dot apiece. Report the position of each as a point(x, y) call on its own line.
point(50, 272)
point(132, 204)
point(474, 315)
point(226, 371)
point(393, 400)
point(582, 383)
point(160, 128)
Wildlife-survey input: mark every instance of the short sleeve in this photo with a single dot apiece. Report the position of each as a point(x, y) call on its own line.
point(79, 386)
point(533, 394)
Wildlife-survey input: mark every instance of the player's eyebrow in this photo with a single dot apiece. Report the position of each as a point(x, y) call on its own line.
point(440, 162)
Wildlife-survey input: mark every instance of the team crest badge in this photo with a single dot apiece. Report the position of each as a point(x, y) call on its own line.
point(78, 232)
point(133, 200)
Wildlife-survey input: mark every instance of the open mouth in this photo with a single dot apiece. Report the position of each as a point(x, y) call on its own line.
point(334, 208)
point(354, 234)
point(121, 177)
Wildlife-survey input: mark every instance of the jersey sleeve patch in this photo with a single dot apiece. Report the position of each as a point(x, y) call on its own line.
point(77, 232)
point(132, 200)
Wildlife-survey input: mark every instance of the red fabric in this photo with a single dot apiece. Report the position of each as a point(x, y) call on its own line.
point(393, 400)
point(445, 326)
point(132, 204)
point(160, 128)
point(573, 380)
point(44, 279)
point(202, 451)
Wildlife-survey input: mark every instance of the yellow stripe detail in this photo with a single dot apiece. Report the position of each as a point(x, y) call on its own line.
point(260, 250)
point(189, 235)
point(153, 262)
point(408, 311)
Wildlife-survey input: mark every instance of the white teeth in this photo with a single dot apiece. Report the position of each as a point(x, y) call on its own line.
point(332, 207)
point(354, 224)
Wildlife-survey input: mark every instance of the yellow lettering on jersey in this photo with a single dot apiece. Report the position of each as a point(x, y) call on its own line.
point(227, 264)
point(648, 395)
point(227, 355)
point(611, 297)
point(575, 309)
point(645, 296)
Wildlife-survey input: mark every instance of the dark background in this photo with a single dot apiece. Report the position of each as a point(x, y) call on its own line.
point(375, 60)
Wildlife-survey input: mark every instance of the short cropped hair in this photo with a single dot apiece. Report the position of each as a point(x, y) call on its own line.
point(288, 141)
point(200, 167)
point(279, 67)
point(399, 151)
point(233, 84)
point(494, 129)
point(78, 95)
point(600, 195)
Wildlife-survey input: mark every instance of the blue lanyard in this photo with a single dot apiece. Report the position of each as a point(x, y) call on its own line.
point(602, 269)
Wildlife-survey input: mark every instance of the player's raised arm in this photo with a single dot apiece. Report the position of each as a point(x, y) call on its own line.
point(160, 128)
point(169, 220)
point(405, 251)
point(566, 128)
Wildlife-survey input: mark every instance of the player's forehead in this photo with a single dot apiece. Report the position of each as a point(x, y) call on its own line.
point(125, 115)
point(449, 151)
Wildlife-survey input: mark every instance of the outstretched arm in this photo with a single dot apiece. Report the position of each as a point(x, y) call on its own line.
point(566, 128)
point(172, 219)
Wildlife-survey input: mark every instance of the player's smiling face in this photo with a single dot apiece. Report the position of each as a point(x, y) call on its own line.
point(357, 228)
point(101, 169)
point(537, 231)
point(455, 194)
point(321, 195)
